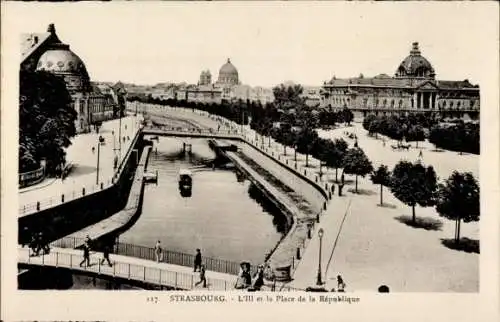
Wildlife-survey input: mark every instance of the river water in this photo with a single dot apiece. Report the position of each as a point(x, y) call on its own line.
point(225, 217)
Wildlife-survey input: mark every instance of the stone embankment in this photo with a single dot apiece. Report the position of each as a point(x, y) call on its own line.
point(120, 220)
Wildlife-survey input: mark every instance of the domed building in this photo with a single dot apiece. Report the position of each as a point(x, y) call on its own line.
point(45, 52)
point(415, 65)
point(61, 61)
point(412, 89)
point(228, 75)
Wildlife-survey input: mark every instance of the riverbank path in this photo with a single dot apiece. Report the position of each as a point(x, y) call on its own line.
point(84, 166)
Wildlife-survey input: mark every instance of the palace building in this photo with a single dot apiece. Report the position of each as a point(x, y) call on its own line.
point(413, 88)
point(45, 52)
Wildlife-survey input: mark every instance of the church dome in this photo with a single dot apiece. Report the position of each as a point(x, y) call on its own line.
point(228, 74)
point(60, 60)
point(415, 65)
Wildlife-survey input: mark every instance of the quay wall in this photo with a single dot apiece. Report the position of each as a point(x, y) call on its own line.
point(61, 220)
point(122, 220)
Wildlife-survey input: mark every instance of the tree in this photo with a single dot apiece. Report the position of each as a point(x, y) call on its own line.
point(416, 133)
point(336, 156)
point(381, 176)
point(356, 162)
point(46, 120)
point(458, 199)
point(305, 141)
point(414, 184)
point(347, 115)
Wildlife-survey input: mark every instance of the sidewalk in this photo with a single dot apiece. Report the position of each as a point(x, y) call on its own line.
point(84, 171)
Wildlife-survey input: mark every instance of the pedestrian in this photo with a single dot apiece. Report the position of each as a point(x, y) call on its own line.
point(340, 284)
point(158, 252)
point(105, 255)
point(34, 244)
point(341, 186)
point(93, 149)
point(86, 254)
point(197, 260)
point(259, 278)
point(42, 242)
point(420, 154)
point(203, 278)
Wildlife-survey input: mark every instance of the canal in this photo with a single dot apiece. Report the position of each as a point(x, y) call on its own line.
point(226, 216)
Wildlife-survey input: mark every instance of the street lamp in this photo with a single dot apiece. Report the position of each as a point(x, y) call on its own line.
point(101, 139)
point(320, 235)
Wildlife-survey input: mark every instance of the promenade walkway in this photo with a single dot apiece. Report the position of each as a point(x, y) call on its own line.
point(84, 171)
point(129, 268)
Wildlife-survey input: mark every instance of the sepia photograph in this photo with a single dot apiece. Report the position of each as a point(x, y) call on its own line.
point(247, 149)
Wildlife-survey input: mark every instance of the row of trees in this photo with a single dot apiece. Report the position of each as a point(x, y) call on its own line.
point(397, 127)
point(461, 137)
point(414, 184)
point(457, 136)
point(46, 121)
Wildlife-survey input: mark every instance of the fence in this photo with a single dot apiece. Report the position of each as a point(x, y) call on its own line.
point(151, 275)
point(170, 257)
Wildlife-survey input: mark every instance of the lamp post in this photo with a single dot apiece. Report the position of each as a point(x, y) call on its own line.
point(101, 139)
point(320, 235)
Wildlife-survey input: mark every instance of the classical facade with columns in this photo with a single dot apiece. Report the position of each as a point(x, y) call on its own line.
point(413, 88)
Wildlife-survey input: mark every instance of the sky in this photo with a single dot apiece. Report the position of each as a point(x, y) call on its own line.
point(269, 43)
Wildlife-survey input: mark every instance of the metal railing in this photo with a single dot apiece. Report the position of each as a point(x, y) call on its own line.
point(167, 256)
point(137, 272)
point(53, 201)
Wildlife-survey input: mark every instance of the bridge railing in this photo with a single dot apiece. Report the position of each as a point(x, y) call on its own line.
point(141, 273)
point(167, 256)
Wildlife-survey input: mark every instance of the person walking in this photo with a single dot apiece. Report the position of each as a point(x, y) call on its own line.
point(105, 255)
point(340, 284)
point(203, 278)
point(158, 252)
point(86, 254)
point(420, 154)
point(259, 278)
point(197, 260)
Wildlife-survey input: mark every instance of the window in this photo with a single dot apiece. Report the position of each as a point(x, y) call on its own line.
point(400, 103)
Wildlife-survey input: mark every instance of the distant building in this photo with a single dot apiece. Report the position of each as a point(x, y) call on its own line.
point(312, 95)
point(228, 75)
point(412, 89)
point(227, 88)
point(45, 52)
point(205, 78)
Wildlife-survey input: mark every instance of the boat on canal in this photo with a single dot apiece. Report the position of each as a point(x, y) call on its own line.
point(185, 180)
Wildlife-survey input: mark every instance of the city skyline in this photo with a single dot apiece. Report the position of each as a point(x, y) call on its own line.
point(269, 50)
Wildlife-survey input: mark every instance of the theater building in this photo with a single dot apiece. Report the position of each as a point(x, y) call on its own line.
point(45, 52)
point(413, 88)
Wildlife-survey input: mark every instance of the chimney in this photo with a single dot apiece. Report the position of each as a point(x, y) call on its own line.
point(51, 29)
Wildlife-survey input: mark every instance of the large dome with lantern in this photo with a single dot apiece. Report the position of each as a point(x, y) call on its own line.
point(415, 65)
point(228, 74)
point(60, 60)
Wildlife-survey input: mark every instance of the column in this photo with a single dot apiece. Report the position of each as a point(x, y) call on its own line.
point(430, 99)
point(421, 100)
